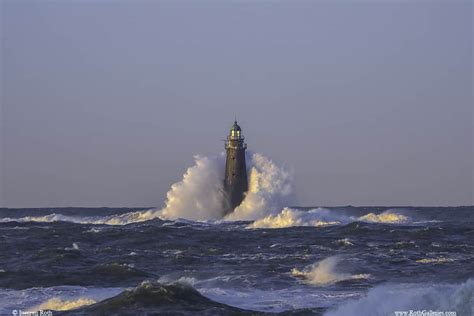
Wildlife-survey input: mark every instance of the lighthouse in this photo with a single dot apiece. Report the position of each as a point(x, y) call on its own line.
point(235, 182)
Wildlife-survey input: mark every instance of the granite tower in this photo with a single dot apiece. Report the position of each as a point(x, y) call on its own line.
point(235, 182)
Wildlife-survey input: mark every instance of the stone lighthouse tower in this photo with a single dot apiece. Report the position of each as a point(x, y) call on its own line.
point(235, 182)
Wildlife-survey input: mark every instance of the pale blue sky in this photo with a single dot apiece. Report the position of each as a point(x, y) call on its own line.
point(105, 102)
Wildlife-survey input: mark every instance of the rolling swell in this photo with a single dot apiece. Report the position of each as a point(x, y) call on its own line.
point(405, 297)
point(156, 298)
point(231, 264)
point(103, 274)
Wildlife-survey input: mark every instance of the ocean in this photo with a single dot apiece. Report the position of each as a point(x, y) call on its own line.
point(267, 257)
point(375, 261)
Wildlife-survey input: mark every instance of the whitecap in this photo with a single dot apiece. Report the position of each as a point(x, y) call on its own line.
point(59, 304)
point(387, 217)
point(344, 242)
point(324, 273)
point(385, 299)
point(289, 217)
point(439, 260)
point(56, 297)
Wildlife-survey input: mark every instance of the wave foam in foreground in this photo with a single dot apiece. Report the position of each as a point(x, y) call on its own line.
point(318, 217)
point(385, 299)
point(324, 272)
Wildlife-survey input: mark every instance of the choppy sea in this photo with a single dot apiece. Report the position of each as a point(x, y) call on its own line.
point(301, 261)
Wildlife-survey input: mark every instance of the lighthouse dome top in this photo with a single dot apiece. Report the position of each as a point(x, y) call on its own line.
point(235, 139)
point(236, 127)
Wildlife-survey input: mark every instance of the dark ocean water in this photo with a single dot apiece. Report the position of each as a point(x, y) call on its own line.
point(64, 258)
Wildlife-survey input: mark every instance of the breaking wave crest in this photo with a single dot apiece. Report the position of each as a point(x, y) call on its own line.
point(405, 297)
point(155, 298)
point(388, 217)
point(318, 217)
point(323, 272)
point(289, 217)
point(58, 304)
point(439, 260)
point(270, 189)
point(199, 195)
point(122, 219)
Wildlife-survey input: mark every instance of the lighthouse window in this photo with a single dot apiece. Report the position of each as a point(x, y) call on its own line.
point(233, 158)
point(238, 133)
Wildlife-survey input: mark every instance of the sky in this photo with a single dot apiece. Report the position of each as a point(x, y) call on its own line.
point(105, 103)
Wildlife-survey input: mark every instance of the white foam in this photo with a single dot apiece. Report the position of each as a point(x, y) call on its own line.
point(270, 189)
point(94, 230)
point(439, 260)
point(54, 298)
point(289, 217)
point(318, 217)
point(75, 246)
point(276, 300)
point(271, 300)
point(184, 280)
point(345, 242)
point(199, 195)
point(387, 217)
point(122, 219)
point(58, 304)
point(323, 273)
point(385, 299)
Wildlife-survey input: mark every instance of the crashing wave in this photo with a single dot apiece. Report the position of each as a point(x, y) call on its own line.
point(270, 189)
point(289, 217)
point(199, 195)
point(58, 304)
point(387, 217)
point(406, 297)
point(319, 217)
point(323, 273)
